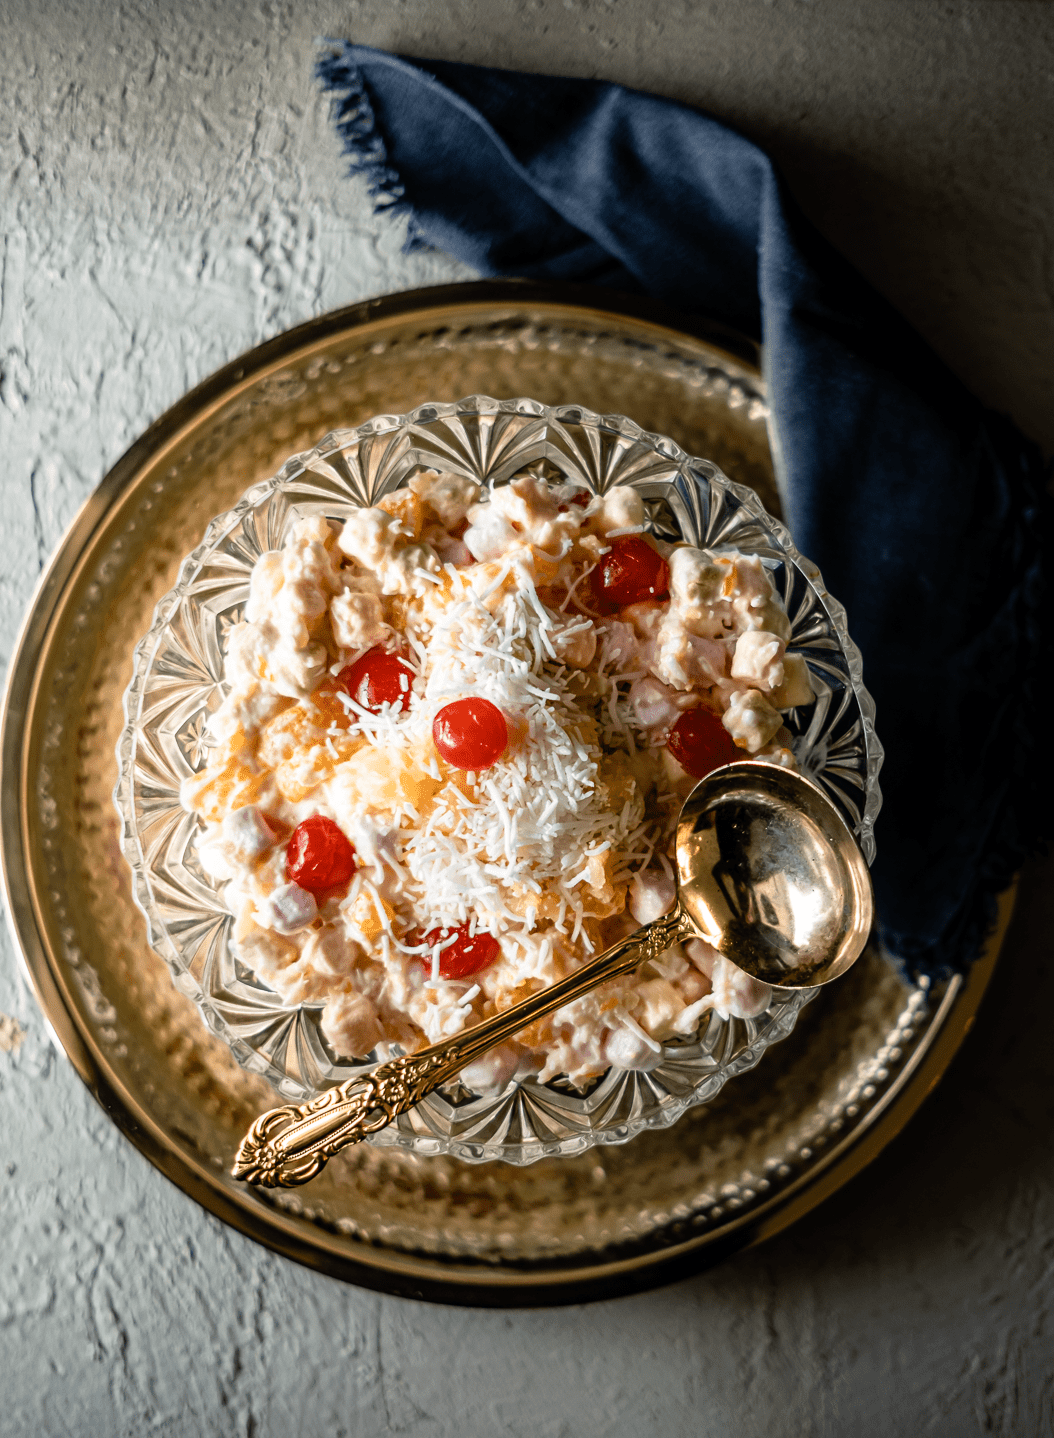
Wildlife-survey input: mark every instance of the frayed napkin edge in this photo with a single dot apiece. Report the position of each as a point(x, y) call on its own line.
point(361, 139)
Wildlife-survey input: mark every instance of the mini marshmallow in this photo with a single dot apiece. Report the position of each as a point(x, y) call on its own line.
point(751, 719)
point(759, 658)
point(248, 832)
point(493, 1071)
point(290, 908)
point(651, 894)
point(628, 1050)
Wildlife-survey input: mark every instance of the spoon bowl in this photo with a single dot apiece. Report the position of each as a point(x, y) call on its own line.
point(771, 876)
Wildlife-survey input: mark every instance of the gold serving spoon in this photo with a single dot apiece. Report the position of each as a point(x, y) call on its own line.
point(768, 873)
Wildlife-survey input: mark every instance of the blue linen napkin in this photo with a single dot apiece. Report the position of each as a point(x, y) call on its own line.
point(924, 511)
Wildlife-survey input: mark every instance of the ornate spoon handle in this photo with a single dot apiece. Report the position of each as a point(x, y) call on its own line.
point(288, 1146)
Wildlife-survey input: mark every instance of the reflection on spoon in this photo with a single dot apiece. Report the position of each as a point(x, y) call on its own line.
point(772, 877)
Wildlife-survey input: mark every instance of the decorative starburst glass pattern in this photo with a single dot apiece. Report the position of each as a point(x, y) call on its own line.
point(178, 683)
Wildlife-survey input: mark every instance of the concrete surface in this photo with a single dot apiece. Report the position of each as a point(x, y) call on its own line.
point(170, 194)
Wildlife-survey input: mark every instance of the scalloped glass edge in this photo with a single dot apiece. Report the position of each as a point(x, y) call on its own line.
point(426, 1130)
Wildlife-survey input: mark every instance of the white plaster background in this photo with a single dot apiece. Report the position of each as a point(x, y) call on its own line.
point(171, 194)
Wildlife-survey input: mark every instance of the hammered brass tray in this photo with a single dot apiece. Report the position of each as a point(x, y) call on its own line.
point(773, 1143)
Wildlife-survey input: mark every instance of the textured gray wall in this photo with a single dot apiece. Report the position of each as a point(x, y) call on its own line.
point(170, 194)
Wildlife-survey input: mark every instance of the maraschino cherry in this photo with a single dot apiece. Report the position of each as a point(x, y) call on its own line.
point(700, 743)
point(467, 955)
point(630, 571)
point(378, 678)
point(470, 733)
point(319, 856)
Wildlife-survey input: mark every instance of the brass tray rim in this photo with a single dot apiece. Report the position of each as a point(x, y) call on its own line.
point(387, 1270)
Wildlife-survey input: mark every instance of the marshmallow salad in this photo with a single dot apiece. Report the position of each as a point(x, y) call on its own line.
point(458, 729)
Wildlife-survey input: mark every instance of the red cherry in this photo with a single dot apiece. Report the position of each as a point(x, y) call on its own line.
point(378, 678)
point(470, 733)
point(629, 572)
point(700, 743)
point(468, 954)
point(319, 856)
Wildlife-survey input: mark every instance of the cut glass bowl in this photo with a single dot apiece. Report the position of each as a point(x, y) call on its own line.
point(178, 683)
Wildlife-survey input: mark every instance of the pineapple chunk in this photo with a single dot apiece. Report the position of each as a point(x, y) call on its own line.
point(405, 506)
point(375, 780)
point(305, 744)
point(368, 917)
point(230, 782)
